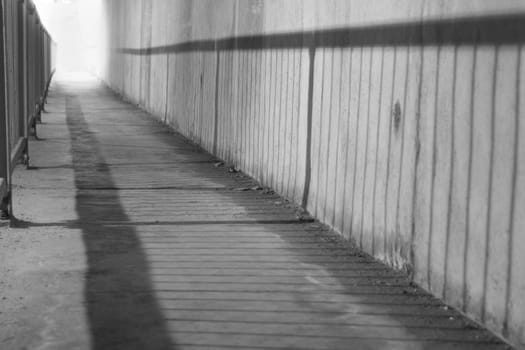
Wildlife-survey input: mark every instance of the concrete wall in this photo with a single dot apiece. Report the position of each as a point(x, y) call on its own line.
point(395, 122)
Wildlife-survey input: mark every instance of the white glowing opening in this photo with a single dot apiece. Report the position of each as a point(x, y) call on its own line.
point(78, 28)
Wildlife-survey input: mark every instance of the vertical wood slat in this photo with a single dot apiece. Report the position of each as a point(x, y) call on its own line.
point(396, 146)
point(515, 317)
point(444, 102)
point(240, 119)
point(228, 140)
point(283, 124)
point(353, 126)
point(250, 113)
point(288, 119)
point(333, 140)
point(280, 130)
point(303, 80)
point(294, 152)
point(425, 169)
point(383, 150)
point(273, 92)
point(318, 69)
point(276, 131)
point(370, 170)
point(502, 168)
point(324, 133)
point(407, 180)
point(259, 116)
point(265, 116)
point(479, 182)
point(362, 144)
point(342, 141)
point(460, 177)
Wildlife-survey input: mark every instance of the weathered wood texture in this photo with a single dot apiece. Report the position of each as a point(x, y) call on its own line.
point(396, 123)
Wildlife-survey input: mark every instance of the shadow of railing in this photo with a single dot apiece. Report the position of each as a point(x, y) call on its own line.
point(121, 307)
point(488, 29)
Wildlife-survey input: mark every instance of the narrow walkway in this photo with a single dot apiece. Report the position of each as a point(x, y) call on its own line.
point(129, 237)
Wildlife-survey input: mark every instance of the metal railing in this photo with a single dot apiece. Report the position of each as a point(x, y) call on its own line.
point(26, 68)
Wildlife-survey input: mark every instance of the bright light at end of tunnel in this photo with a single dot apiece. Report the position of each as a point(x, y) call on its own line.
point(77, 28)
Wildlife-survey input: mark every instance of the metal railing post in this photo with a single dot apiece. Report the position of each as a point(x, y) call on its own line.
point(5, 151)
point(22, 25)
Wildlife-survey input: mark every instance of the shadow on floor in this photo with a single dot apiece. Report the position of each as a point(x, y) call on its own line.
point(121, 307)
point(258, 279)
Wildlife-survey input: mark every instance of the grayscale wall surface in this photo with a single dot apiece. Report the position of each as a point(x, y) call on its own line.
point(398, 123)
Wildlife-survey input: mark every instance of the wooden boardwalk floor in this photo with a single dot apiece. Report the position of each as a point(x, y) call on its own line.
point(129, 237)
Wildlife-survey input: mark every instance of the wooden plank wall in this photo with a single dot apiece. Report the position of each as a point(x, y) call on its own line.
point(413, 148)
